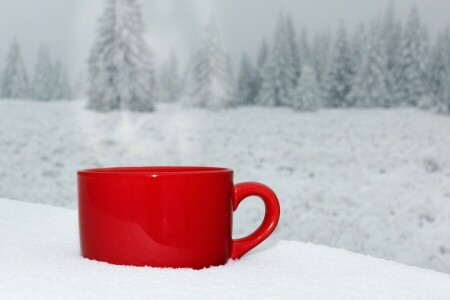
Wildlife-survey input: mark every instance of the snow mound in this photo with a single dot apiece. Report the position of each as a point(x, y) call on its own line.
point(40, 259)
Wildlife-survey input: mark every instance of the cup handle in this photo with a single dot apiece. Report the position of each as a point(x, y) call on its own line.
point(243, 190)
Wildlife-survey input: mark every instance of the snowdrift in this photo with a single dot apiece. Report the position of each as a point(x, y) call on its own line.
point(40, 259)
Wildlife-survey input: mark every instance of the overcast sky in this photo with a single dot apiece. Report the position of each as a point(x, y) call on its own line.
point(68, 27)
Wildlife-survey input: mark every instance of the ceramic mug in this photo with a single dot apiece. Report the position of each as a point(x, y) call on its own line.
point(166, 216)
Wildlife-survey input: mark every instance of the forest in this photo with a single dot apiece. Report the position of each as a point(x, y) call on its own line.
point(382, 63)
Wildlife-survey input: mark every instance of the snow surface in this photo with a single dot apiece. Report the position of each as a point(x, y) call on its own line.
point(40, 259)
point(371, 181)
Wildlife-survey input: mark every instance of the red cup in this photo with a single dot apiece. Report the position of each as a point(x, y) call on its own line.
point(166, 216)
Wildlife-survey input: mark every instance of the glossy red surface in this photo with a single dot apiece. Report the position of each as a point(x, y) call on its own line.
point(166, 216)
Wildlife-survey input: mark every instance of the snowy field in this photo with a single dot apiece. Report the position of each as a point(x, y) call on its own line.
point(371, 181)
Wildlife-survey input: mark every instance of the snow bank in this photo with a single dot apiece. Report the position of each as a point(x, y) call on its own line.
point(39, 258)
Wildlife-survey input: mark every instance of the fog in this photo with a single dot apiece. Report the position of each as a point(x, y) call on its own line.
point(68, 27)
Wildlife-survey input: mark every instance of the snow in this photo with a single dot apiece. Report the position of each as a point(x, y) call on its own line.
point(40, 259)
point(371, 181)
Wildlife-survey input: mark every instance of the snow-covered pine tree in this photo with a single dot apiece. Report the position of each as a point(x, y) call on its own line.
point(121, 72)
point(439, 73)
point(192, 78)
point(259, 67)
point(293, 53)
point(231, 79)
point(358, 45)
point(15, 81)
point(411, 74)
point(170, 83)
point(304, 47)
point(282, 68)
point(370, 87)
point(320, 57)
point(42, 86)
point(307, 95)
point(263, 53)
point(246, 84)
point(102, 70)
point(340, 72)
point(392, 36)
point(61, 86)
point(1, 81)
point(209, 82)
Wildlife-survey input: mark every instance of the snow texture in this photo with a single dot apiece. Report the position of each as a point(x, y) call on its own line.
point(371, 181)
point(40, 259)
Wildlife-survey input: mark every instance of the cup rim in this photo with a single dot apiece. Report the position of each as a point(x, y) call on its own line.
point(154, 171)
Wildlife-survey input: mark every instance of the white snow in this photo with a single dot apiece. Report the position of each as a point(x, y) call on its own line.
point(371, 181)
point(40, 259)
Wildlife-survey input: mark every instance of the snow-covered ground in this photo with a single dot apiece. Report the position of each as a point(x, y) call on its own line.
point(40, 259)
point(372, 181)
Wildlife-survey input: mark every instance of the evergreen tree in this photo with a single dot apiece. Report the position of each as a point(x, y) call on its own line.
point(320, 57)
point(320, 54)
point(246, 85)
point(170, 83)
point(43, 85)
point(260, 63)
point(193, 81)
point(439, 73)
point(121, 72)
point(15, 80)
point(392, 36)
point(293, 52)
point(231, 80)
point(263, 54)
point(210, 77)
point(307, 95)
point(371, 84)
point(411, 73)
point(304, 48)
point(60, 83)
point(340, 73)
point(357, 47)
point(282, 68)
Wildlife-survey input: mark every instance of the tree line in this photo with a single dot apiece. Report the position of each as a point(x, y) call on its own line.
point(49, 81)
point(383, 63)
